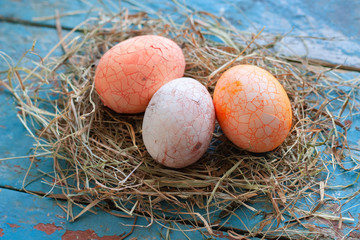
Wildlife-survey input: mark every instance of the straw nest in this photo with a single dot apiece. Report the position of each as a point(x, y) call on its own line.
point(99, 156)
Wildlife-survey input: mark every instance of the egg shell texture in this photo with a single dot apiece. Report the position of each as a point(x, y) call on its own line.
point(132, 71)
point(178, 123)
point(252, 108)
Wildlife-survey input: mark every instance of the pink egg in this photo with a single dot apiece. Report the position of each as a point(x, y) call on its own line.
point(132, 71)
point(178, 123)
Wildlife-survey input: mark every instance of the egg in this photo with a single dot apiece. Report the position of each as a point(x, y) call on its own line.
point(178, 123)
point(133, 70)
point(252, 108)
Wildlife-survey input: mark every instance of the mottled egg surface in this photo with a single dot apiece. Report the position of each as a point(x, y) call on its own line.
point(252, 108)
point(178, 123)
point(132, 71)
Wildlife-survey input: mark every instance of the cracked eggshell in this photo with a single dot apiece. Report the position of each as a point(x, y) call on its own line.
point(252, 108)
point(132, 71)
point(178, 123)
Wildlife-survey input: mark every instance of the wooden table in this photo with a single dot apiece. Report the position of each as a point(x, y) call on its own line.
point(26, 216)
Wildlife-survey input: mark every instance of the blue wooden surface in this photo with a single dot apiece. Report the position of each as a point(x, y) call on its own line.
point(336, 20)
point(24, 216)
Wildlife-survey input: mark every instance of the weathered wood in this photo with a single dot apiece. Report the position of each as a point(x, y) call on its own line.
point(25, 216)
point(22, 21)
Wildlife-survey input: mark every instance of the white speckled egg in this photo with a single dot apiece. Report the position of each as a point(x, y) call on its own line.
point(178, 123)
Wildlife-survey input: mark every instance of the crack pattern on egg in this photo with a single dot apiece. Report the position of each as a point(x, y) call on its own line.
point(132, 71)
point(252, 108)
point(178, 123)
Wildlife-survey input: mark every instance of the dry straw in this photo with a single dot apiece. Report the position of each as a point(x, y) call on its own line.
point(106, 163)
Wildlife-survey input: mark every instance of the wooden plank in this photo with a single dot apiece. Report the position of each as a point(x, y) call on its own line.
point(16, 39)
point(14, 142)
point(31, 217)
point(325, 35)
point(42, 12)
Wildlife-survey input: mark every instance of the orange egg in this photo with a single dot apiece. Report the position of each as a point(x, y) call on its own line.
point(252, 108)
point(132, 71)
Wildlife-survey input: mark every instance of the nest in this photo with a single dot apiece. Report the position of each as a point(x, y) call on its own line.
point(100, 159)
